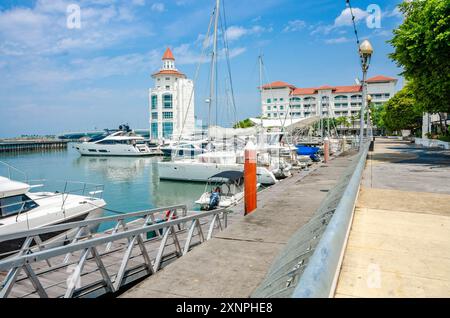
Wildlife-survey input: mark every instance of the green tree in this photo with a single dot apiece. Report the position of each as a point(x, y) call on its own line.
point(246, 123)
point(401, 111)
point(377, 115)
point(421, 46)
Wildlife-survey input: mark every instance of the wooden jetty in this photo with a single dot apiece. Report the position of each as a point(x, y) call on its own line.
point(18, 145)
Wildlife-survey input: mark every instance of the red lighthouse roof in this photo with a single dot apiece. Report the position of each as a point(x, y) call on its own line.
point(168, 55)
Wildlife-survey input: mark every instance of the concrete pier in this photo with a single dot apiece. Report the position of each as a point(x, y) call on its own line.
point(31, 145)
point(236, 260)
point(399, 243)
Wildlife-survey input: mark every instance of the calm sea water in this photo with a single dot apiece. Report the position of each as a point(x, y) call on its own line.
point(131, 184)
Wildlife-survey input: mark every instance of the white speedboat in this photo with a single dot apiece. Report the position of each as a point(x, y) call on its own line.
point(223, 190)
point(206, 165)
point(22, 210)
point(123, 142)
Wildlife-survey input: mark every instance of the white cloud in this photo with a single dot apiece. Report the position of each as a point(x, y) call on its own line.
point(235, 32)
point(393, 13)
point(294, 26)
point(186, 54)
point(345, 18)
point(338, 40)
point(42, 29)
point(158, 7)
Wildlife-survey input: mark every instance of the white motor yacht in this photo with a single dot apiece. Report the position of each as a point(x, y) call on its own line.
point(22, 210)
point(123, 142)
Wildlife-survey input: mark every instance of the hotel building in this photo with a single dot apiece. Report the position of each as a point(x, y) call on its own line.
point(171, 101)
point(283, 100)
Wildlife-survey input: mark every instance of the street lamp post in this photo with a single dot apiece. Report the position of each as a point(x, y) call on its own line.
point(369, 119)
point(365, 52)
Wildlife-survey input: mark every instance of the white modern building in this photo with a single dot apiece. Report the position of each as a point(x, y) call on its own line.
point(171, 102)
point(283, 100)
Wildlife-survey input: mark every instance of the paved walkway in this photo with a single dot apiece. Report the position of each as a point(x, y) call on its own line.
point(235, 262)
point(399, 243)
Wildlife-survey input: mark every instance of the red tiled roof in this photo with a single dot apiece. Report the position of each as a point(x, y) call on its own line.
point(278, 84)
point(169, 72)
point(347, 89)
point(304, 91)
point(336, 89)
point(380, 78)
point(168, 55)
point(324, 87)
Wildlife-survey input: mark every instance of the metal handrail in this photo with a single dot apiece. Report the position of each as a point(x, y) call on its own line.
point(319, 278)
point(85, 246)
point(85, 223)
point(9, 167)
point(62, 250)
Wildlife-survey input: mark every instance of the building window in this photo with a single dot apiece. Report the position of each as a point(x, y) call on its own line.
point(167, 78)
point(167, 129)
point(269, 101)
point(154, 131)
point(281, 107)
point(281, 99)
point(268, 115)
point(167, 87)
point(268, 107)
point(274, 107)
point(155, 115)
point(167, 100)
point(154, 101)
point(167, 115)
point(386, 95)
point(275, 99)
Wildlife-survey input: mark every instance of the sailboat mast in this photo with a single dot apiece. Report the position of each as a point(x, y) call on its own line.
point(261, 85)
point(213, 66)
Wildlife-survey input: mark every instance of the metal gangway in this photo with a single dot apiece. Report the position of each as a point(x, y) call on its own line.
point(82, 260)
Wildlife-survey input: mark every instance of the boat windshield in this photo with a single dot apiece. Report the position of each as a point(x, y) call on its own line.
point(16, 204)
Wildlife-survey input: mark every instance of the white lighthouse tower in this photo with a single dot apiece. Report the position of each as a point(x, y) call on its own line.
point(171, 102)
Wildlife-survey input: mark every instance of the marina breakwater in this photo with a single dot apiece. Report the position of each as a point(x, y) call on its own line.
point(19, 145)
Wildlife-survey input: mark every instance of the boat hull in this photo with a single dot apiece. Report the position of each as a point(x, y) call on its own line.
point(92, 149)
point(200, 171)
point(7, 247)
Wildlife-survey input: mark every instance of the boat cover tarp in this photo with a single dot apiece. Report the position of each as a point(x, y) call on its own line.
point(231, 175)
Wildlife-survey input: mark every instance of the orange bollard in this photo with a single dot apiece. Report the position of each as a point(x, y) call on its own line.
point(326, 150)
point(250, 178)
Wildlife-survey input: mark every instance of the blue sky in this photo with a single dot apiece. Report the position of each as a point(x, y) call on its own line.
point(55, 79)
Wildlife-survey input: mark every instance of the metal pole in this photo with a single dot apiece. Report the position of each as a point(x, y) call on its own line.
point(213, 65)
point(361, 120)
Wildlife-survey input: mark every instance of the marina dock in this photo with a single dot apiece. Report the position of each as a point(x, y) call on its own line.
point(398, 244)
point(20, 145)
point(236, 260)
point(365, 224)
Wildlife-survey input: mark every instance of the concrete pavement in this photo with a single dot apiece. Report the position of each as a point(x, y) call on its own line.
point(399, 243)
